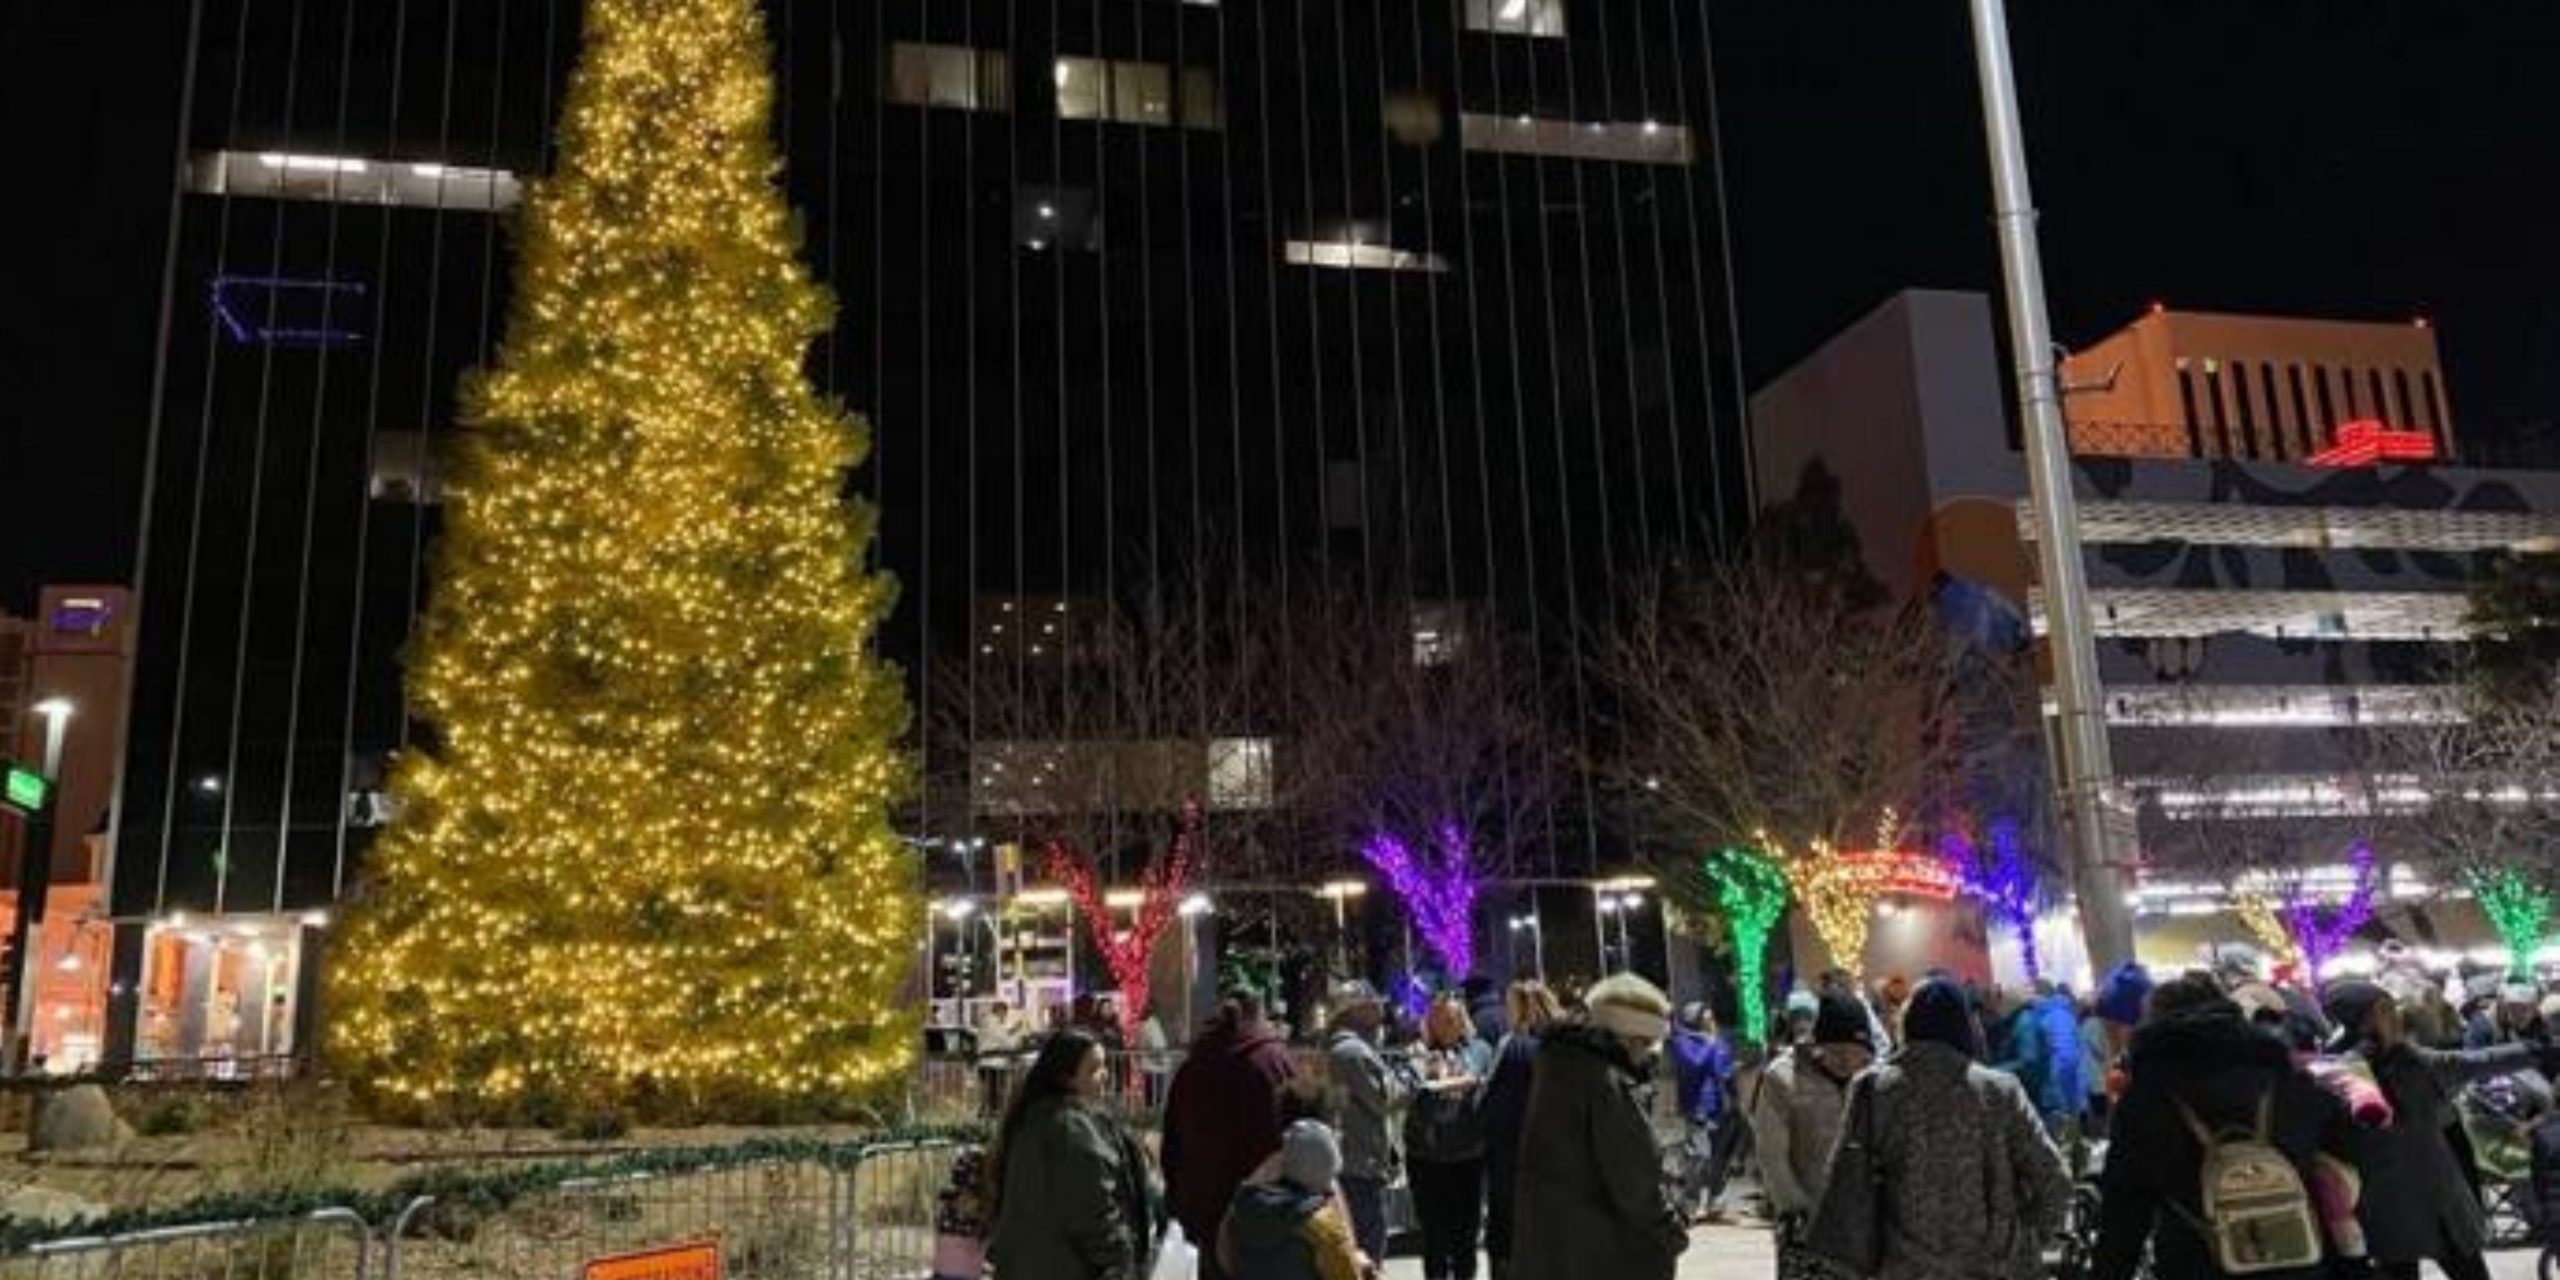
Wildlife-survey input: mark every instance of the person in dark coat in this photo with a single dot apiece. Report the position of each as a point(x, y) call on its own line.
point(1485, 1008)
point(1591, 1192)
point(1530, 1009)
point(1966, 1181)
point(2197, 1048)
point(1070, 1186)
point(2417, 1205)
point(1222, 1117)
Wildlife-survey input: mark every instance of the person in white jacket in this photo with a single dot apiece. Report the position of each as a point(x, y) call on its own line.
point(1795, 1119)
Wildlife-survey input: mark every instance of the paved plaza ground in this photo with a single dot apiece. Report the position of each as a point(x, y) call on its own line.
point(1742, 1253)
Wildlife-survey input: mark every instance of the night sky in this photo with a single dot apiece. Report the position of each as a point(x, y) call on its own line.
point(2358, 158)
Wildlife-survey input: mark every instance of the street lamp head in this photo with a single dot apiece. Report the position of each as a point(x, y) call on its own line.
point(56, 708)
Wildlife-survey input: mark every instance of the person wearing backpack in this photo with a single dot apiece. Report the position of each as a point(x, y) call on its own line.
point(1444, 1140)
point(2216, 1149)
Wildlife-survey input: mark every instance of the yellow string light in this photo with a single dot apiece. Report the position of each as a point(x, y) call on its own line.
point(648, 846)
point(2259, 917)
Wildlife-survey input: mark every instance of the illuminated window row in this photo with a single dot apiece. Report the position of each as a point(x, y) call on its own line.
point(2280, 706)
point(1516, 17)
point(417, 184)
point(1636, 142)
point(1351, 255)
point(1130, 92)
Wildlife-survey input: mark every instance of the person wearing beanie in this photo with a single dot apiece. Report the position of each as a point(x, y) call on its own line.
point(1795, 1118)
point(1797, 1022)
point(2418, 1203)
point(2200, 1053)
point(1287, 1222)
point(1372, 1094)
point(1962, 1178)
point(1591, 1194)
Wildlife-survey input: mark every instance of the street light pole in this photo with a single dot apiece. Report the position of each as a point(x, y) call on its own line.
point(2084, 767)
point(35, 877)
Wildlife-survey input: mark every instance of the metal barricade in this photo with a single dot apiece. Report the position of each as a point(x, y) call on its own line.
point(885, 1214)
point(327, 1244)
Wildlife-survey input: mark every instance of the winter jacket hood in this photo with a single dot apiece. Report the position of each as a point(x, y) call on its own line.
point(1589, 1183)
point(2220, 1066)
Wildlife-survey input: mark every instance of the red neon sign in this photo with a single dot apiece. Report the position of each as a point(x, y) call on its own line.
point(2367, 441)
point(1914, 875)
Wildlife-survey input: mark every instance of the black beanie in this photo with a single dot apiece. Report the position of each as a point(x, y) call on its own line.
point(1940, 1014)
point(2350, 1005)
point(1841, 1019)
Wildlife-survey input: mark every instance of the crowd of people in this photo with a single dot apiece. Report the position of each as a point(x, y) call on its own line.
point(1916, 1130)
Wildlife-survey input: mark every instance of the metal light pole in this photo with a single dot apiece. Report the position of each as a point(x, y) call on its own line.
point(35, 877)
point(2085, 769)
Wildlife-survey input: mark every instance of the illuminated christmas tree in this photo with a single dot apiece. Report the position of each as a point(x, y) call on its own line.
point(644, 850)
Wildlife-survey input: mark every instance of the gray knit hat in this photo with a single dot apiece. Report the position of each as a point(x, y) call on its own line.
point(1309, 1157)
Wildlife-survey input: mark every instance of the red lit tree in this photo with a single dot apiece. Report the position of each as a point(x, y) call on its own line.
point(1127, 952)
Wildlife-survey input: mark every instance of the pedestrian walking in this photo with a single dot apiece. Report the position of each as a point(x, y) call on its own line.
point(2418, 1204)
point(1071, 1194)
point(1702, 1078)
point(1291, 1224)
point(1944, 1170)
point(1444, 1140)
point(1222, 1117)
point(1592, 1202)
point(2044, 1054)
point(2201, 1080)
point(1372, 1094)
point(1528, 1010)
point(1795, 1119)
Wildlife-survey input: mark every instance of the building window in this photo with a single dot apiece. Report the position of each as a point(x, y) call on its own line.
point(2409, 416)
point(1639, 142)
point(2245, 442)
point(1056, 218)
point(417, 184)
point(1136, 93)
point(2328, 406)
point(1355, 255)
point(2279, 437)
point(948, 75)
point(1516, 17)
point(1239, 773)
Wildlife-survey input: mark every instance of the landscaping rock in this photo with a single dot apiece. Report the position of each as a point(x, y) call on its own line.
point(76, 1119)
point(49, 1205)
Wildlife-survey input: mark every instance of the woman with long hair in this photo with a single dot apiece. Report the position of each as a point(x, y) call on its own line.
point(1068, 1183)
point(1527, 1009)
point(1444, 1140)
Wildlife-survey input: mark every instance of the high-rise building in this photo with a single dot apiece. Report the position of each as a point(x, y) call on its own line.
point(1427, 295)
point(2280, 536)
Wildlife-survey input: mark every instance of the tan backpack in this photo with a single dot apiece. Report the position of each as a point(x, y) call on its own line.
point(2257, 1213)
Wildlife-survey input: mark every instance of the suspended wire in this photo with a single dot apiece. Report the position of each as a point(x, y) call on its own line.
point(427, 349)
point(425, 484)
point(1395, 305)
point(203, 426)
point(311, 490)
point(1732, 284)
point(1661, 281)
point(1351, 293)
point(1321, 433)
point(924, 431)
point(1698, 284)
point(257, 502)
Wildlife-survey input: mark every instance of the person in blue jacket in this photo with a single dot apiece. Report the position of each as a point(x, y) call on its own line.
point(1702, 1072)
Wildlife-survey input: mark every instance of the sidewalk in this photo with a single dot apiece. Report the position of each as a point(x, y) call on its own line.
point(1742, 1253)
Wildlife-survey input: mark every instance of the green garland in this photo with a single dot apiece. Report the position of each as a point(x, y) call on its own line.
point(467, 1192)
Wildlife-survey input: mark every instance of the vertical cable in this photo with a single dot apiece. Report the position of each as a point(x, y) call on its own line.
point(1315, 312)
point(257, 497)
point(1271, 301)
point(1100, 228)
point(373, 430)
point(1724, 242)
point(968, 823)
point(311, 488)
point(1430, 255)
point(1626, 328)
point(435, 307)
point(1351, 291)
point(1395, 299)
point(143, 526)
point(1698, 284)
point(924, 437)
point(1534, 604)
point(1021, 440)
point(1661, 282)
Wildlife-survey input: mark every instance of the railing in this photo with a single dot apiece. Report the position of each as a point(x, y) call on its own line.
point(773, 1210)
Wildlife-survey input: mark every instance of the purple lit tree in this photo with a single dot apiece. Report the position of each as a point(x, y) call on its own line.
point(2005, 882)
point(1415, 741)
point(1439, 895)
point(2323, 933)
